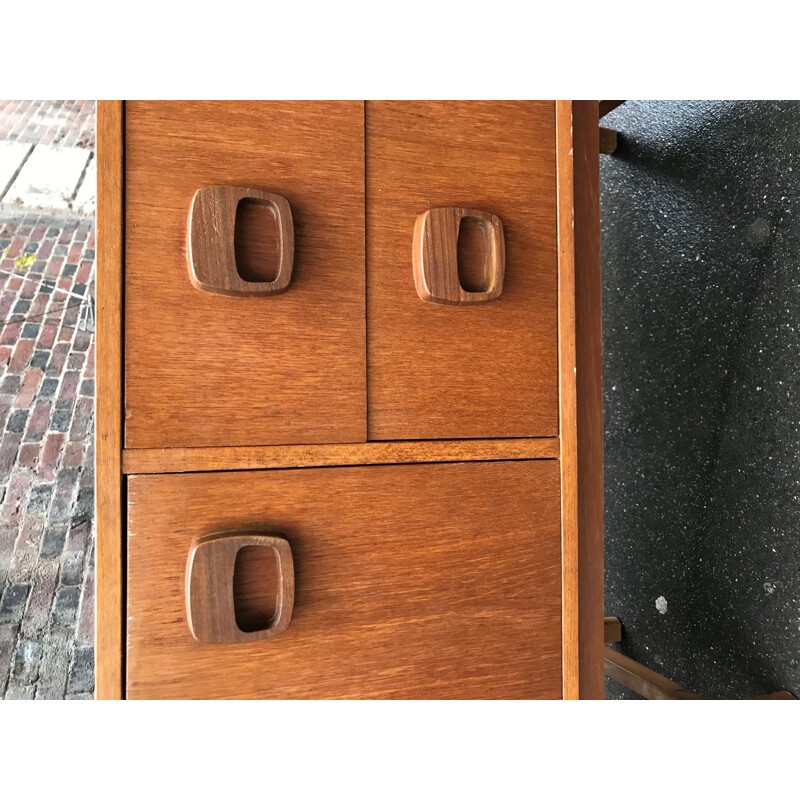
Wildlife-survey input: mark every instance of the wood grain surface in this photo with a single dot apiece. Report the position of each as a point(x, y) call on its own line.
point(568, 410)
point(479, 371)
point(581, 400)
point(209, 459)
point(204, 370)
point(109, 606)
point(210, 597)
point(213, 249)
point(589, 395)
point(435, 256)
point(413, 581)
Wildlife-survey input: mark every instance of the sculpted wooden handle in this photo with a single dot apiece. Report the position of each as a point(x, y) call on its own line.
point(210, 607)
point(435, 256)
point(211, 249)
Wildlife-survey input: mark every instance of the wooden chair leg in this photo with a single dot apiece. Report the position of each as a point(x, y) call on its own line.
point(608, 141)
point(646, 682)
point(652, 686)
point(642, 680)
point(775, 696)
point(609, 105)
point(612, 629)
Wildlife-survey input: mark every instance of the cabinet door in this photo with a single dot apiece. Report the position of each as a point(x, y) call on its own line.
point(410, 581)
point(208, 369)
point(465, 370)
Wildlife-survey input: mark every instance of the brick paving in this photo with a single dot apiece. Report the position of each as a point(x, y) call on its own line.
point(46, 458)
point(66, 122)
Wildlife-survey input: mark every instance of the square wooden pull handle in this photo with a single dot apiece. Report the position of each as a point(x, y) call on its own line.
point(211, 248)
point(210, 607)
point(435, 256)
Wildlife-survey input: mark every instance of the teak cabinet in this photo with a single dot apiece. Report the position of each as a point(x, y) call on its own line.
point(349, 416)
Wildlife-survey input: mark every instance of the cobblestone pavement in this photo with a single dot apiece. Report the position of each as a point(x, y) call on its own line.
point(46, 457)
point(66, 122)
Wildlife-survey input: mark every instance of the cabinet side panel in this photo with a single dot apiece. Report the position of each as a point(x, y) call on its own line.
point(588, 331)
point(108, 452)
point(567, 403)
point(581, 401)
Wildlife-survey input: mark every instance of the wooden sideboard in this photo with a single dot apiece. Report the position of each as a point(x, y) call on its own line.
point(349, 411)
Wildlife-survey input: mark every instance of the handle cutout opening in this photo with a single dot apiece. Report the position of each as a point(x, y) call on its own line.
point(256, 588)
point(473, 255)
point(256, 241)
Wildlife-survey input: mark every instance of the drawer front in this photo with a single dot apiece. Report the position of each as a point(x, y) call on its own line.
point(411, 581)
point(466, 370)
point(207, 369)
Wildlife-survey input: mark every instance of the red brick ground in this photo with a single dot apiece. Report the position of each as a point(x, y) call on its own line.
point(46, 459)
point(66, 122)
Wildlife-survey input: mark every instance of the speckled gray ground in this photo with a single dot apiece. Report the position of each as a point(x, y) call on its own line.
point(701, 264)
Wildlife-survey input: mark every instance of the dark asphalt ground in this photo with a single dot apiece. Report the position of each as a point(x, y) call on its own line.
point(701, 264)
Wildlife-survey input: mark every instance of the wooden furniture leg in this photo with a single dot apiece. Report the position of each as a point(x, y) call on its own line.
point(608, 141)
point(609, 105)
point(612, 630)
point(608, 137)
point(644, 681)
